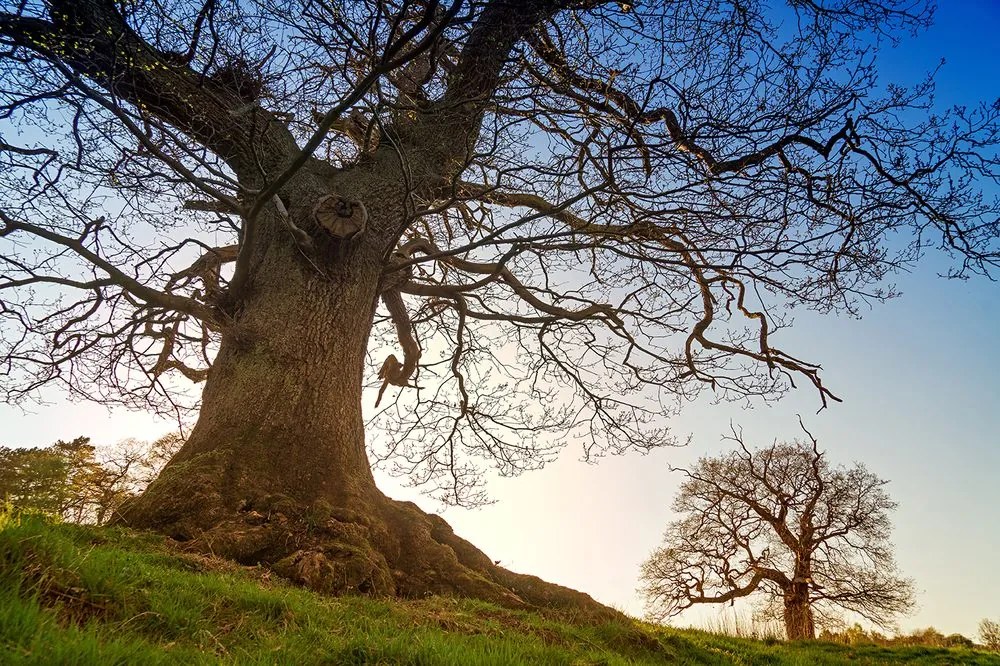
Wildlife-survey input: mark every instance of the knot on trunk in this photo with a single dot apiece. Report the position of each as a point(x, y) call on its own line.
point(341, 217)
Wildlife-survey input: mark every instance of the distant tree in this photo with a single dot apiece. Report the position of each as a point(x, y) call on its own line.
point(47, 479)
point(959, 641)
point(851, 635)
point(127, 468)
point(31, 479)
point(79, 482)
point(989, 634)
point(82, 471)
point(929, 637)
point(783, 524)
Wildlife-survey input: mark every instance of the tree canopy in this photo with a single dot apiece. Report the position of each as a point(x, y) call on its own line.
point(780, 523)
point(605, 206)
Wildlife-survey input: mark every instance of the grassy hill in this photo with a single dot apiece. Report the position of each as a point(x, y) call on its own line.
point(79, 595)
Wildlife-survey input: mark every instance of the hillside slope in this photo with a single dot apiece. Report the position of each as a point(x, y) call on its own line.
point(78, 595)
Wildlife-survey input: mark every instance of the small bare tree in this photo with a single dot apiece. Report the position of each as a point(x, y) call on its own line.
point(781, 523)
point(989, 634)
point(123, 471)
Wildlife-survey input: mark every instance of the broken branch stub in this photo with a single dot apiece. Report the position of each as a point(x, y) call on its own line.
point(342, 218)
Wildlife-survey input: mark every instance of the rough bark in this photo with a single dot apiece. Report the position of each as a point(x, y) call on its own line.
point(799, 624)
point(275, 472)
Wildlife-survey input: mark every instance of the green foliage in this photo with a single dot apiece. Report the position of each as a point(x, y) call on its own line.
point(929, 637)
point(72, 594)
point(46, 479)
point(78, 482)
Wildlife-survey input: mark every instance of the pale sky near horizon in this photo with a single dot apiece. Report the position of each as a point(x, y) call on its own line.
point(920, 378)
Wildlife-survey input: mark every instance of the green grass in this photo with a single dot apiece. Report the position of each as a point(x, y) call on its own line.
point(79, 595)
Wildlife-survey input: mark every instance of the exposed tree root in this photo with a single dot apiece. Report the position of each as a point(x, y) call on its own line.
point(383, 548)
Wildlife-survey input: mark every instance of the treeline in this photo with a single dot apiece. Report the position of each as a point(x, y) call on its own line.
point(80, 482)
point(989, 635)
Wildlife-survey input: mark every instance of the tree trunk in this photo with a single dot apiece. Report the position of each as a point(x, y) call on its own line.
point(275, 471)
point(798, 615)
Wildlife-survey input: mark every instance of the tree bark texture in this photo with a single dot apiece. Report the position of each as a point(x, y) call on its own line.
point(799, 624)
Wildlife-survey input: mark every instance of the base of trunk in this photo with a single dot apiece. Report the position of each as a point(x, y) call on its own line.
point(374, 546)
point(799, 624)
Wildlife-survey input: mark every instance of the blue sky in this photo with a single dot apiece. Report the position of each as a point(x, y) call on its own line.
point(920, 377)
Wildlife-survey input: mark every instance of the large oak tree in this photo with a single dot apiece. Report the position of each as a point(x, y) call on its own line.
point(534, 219)
point(783, 526)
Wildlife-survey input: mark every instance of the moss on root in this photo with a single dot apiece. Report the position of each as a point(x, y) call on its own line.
point(368, 544)
point(183, 500)
point(385, 549)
